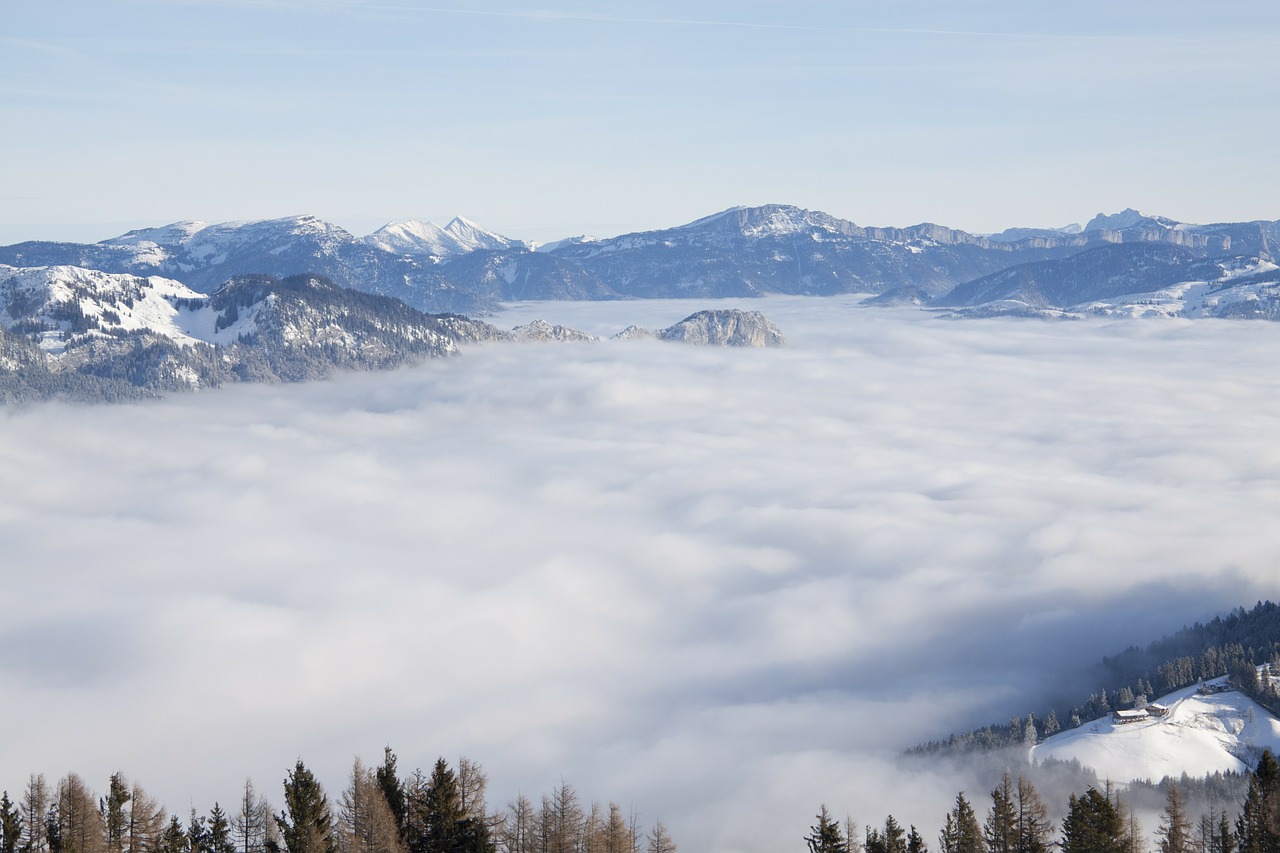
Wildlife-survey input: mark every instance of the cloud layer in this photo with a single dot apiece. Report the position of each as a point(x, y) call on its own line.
point(724, 585)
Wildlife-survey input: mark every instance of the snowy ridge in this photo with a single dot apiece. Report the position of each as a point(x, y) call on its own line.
point(72, 304)
point(428, 240)
point(1199, 735)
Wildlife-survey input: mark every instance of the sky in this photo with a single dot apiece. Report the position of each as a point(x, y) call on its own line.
point(552, 118)
point(721, 586)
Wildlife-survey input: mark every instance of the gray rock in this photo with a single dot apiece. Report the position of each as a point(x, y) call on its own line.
point(732, 328)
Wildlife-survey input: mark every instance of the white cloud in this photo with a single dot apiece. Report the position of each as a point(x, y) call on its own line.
point(724, 585)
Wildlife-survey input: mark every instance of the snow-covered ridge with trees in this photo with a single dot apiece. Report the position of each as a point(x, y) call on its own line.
point(1201, 733)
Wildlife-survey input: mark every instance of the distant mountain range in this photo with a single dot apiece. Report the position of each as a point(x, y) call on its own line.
point(747, 251)
point(81, 334)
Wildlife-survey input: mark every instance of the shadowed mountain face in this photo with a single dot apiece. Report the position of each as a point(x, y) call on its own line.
point(738, 252)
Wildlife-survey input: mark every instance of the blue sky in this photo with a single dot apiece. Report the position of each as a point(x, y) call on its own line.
point(550, 118)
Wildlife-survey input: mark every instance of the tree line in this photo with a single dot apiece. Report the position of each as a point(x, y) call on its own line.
point(1096, 821)
point(1235, 646)
point(444, 811)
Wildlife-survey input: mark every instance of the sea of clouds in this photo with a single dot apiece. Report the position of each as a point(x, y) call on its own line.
point(723, 586)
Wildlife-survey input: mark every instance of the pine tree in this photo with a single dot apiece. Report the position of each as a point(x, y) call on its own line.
point(392, 789)
point(306, 825)
point(219, 833)
point(197, 834)
point(174, 837)
point(825, 837)
point(961, 832)
point(118, 797)
point(1258, 827)
point(10, 825)
point(1092, 825)
point(1175, 827)
point(915, 842)
point(1000, 831)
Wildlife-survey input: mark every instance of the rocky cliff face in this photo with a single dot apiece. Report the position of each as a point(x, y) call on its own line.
point(731, 328)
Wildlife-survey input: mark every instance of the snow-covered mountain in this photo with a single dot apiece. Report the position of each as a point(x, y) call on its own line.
point(742, 251)
point(1199, 735)
point(204, 257)
point(429, 241)
point(95, 335)
point(1134, 279)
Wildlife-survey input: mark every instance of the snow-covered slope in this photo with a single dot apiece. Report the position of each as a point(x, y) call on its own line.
point(428, 240)
point(1199, 735)
point(71, 304)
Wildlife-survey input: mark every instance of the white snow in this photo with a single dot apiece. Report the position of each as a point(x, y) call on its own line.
point(1199, 735)
point(426, 239)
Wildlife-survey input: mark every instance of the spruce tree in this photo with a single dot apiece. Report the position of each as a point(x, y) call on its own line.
point(915, 842)
point(392, 789)
point(1093, 825)
point(174, 837)
point(826, 836)
point(306, 825)
point(10, 825)
point(113, 811)
point(961, 832)
point(218, 839)
point(1175, 827)
point(1000, 831)
point(1258, 827)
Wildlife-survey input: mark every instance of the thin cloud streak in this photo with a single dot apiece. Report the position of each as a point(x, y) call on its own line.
point(553, 16)
point(725, 586)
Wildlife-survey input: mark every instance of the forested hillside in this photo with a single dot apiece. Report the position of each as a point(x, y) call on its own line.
point(1233, 645)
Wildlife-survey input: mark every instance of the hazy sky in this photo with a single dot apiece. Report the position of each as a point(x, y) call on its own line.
point(549, 118)
point(724, 586)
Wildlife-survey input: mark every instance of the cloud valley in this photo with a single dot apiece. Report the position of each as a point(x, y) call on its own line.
point(724, 585)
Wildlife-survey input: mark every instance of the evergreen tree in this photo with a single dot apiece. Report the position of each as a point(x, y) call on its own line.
point(174, 838)
point(894, 836)
point(197, 834)
point(1175, 828)
point(915, 842)
point(392, 789)
point(219, 838)
point(1258, 827)
point(306, 825)
point(1092, 825)
point(961, 832)
point(826, 836)
point(1000, 830)
point(113, 814)
point(10, 825)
